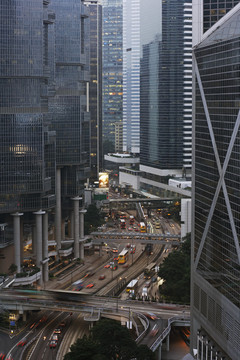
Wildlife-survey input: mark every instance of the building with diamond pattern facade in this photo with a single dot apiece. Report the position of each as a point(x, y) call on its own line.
point(215, 328)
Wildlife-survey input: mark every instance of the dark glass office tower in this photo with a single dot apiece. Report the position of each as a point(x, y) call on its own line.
point(94, 41)
point(215, 309)
point(112, 68)
point(163, 68)
point(68, 108)
point(27, 147)
point(213, 10)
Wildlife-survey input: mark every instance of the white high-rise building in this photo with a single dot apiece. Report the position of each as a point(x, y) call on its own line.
point(131, 76)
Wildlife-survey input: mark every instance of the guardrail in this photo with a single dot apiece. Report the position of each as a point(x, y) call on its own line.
point(166, 331)
point(145, 319)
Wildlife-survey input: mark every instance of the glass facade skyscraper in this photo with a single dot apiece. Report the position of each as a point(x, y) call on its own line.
point(131, 75)
point(68, 108)
point(165, 112)
point(213, 10)
point(215, 309)
point(44, 121)
point(94, 42)
point(27, 148)
point(112, 67)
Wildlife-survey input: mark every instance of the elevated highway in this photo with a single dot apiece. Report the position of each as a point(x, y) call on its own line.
point(143, 238)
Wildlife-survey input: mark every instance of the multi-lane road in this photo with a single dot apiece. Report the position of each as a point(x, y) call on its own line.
point(37, 339)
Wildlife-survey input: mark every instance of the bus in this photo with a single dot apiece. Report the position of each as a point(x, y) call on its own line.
point(131, 220)
point(123, 256)
point(149, 271)
point(142, 227)
point(132, 286)
point(123, 224)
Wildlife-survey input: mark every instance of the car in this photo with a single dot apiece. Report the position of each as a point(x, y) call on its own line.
point(62, 324)
point(136, 229)
point(114, 250)
point(57, 331)
point(107, 266)
point(116, 258)
point(53, 344)
point(128, 245)
point(22, 342)
point(151, 316)
point(101, 277)
point(130, 228)
point(90, 286)
point(154, 330)
point(2, 356)
point(55, 337)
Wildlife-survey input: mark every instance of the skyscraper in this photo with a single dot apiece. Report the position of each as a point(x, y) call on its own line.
point(215, 303)
point(27, 147)
point(94, 41)
point(131, 75)
point(44, 123)
point(166, 100)
point(112, 68)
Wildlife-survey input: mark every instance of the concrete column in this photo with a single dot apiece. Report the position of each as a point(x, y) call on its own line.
point(72, 224)
point(17, 240)
point(39, 238)
point(82, 212)
point(58, 214)
point(34, 232)
point(76, 226)
point(160, 352)
point(167, 343)
point(100, 250)
point(24, 315)
point(45, 247)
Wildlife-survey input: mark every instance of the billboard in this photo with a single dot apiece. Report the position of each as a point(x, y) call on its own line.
point(103, 180)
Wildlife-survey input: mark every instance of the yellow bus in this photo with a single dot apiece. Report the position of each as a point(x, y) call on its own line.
point(143, 227)
point(123, 256)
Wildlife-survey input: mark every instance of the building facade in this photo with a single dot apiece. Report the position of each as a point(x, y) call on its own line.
point(95, 86)
point(131, 76)
point(112, 95)
point(45, 125)
point(215, 304)
point(166, 95)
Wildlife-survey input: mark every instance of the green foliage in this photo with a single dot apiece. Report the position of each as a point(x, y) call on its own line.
point(12, 268)
point(108, 341)
point(175, 270)
point(92, 219)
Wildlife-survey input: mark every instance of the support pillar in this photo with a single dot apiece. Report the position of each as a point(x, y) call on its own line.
point(72, 224)
point(45, 247)
point(17, 239)
point(24, 316)
point(34, 240)
point(82, 212)
point(39, 242)
point(76, 226)
point(160, 352)
point(58, 214)
point(167, 343)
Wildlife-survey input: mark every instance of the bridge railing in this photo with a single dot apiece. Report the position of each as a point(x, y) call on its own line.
point(166, 332)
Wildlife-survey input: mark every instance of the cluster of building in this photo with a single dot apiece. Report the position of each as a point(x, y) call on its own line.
point(79, 79)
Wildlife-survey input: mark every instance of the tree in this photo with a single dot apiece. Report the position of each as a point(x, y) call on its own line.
point(175, 270)
point(92, 219)
point(108, 340)
point(12, 268)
